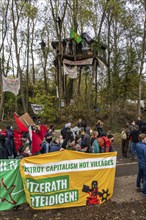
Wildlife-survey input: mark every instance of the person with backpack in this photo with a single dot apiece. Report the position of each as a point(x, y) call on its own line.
point(125, 136)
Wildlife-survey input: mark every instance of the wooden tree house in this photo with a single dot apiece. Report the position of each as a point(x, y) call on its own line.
point(72, 53)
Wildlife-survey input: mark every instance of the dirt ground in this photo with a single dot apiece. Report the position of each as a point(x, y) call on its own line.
point(109, 210)
point(126, 203)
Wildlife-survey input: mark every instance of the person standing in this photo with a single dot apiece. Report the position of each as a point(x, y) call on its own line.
point(141, 154)
point(10, 142)
point(134, 140)
point(3, 150)
point(81, 124)
point(139, 122)
point(131, 126)
point(125, 135)
point(95, 148)
point(111, 138)
point(99, 128)
point(86, 141)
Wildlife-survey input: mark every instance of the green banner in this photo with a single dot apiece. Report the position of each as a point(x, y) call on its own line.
point(11, 187)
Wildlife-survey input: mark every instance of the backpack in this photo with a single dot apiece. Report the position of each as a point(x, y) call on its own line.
point(123, 135)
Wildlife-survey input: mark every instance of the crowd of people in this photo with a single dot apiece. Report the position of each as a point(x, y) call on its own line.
point(134, 140)
point(82, 138)
point(79, 138)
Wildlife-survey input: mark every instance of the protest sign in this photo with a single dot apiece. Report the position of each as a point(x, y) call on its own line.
point(88, 61)
point(68, 178)
point(37, 108)
point(11, 187)
point(26, 119)
point(11, 85)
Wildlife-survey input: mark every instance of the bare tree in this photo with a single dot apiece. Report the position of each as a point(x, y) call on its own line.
point(16, 14)
point(143, 50)
point(4, 32)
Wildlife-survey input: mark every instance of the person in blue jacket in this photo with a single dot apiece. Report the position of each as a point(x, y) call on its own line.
point(141, 154)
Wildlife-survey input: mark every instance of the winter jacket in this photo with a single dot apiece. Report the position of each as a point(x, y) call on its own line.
point(141, 153)
point(86, 142)
point(3, 150)
point(104, 144)
point(10, 142)
point(134, 136)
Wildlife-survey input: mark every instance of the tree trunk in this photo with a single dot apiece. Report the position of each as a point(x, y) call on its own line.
point(58, 28)
point(142, 63)
point(95, 79)
point(4, 32)
point(79, 82)
point(45, 75)
point(19, 71)
point(27, 69)
point(86, 89)
point(32, 59)
point(1, 92)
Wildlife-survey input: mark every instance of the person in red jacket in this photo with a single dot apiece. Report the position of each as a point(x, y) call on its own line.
point(104, 143)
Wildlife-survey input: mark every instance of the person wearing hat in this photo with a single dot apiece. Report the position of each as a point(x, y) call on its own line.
point(24, 151)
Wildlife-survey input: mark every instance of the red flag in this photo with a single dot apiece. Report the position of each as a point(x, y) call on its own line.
point(36, 142)
point(43, 131)
point(20, 125)
point(17, 139)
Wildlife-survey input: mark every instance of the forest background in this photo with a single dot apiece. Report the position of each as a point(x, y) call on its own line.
point(27, 30)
